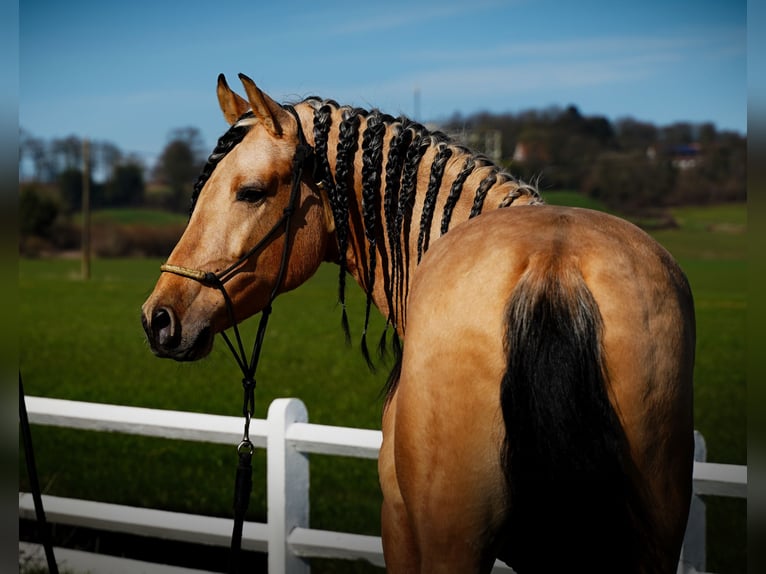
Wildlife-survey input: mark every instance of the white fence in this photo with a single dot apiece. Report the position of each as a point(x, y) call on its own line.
point(286, 537)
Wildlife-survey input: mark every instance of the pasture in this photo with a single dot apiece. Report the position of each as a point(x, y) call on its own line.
point(83, 340)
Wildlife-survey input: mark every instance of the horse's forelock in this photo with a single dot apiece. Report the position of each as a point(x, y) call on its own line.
point(227, 142)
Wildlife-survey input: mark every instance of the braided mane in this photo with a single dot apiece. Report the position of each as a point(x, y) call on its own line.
point(389, 194)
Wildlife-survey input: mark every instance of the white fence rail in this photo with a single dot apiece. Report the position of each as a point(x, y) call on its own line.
point(288, 438)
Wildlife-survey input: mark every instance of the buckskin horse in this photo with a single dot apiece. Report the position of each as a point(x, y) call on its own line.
point(540, 407)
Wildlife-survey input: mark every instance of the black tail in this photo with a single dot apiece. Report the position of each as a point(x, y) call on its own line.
point(575, 499)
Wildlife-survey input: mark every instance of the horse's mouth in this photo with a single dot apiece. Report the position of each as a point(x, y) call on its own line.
point(199, 349)
point(168, 340)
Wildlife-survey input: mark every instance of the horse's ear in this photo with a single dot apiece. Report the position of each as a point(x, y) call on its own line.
point(264, 108)
point(232, 105)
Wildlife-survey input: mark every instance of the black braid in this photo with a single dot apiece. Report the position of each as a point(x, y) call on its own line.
point(420, 143)
point(347, 145)
point(481, 193)
point(397, 148)
point(372, 154)
point(443, 153)
point(235, 134)
point(455, 191)
point(322, 121)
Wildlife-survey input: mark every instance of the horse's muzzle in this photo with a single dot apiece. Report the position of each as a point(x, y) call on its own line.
point(167, 339)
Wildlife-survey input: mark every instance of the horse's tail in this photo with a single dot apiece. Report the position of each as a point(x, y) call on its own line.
point(575, 495)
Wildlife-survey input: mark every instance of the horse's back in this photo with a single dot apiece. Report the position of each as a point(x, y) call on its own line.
point(642, 294)
point(448, 409)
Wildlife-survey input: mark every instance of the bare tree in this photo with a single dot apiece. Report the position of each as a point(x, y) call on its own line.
point(179, 164)
point(36, 151)
point(67, 153)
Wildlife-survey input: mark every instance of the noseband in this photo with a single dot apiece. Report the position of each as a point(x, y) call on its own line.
point(303, 158)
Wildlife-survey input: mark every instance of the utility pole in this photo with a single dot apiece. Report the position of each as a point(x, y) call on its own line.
point(85, 209)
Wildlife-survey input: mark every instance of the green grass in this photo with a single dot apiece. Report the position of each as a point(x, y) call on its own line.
point(83, 340)
point(128, 216)
point(572, 199)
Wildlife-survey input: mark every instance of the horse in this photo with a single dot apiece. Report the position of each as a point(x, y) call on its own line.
point(540, 406)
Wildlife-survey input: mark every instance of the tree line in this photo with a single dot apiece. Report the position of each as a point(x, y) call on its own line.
point(629, 164)
point(51, 189)
point(51, 175)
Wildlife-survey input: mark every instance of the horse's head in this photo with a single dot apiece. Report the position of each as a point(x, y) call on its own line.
point(236, 235)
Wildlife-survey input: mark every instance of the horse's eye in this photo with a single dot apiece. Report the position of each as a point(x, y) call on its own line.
point(251, 194)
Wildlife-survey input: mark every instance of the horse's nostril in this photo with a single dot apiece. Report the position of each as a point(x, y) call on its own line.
point(160, 319)
point(164, 329)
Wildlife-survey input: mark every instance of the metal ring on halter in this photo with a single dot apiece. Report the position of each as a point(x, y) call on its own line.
point(245, 447)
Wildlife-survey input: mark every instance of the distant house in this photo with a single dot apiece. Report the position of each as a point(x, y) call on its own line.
point(526, 151)
point(520, 152)
point(683, 157)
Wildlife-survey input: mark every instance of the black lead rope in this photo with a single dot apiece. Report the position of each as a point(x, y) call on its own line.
point(244, 476)
point(34, 482)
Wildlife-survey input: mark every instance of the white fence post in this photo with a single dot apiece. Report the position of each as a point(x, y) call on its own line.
point(693, 549)
point(287, 486)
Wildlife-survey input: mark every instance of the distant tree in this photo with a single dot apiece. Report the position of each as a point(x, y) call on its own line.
point(629, 181)
point(679, 133)
point(105, 157)
point(126, 186)
point(36, 151)
point(192, 137)
point(568, 121)
point(635, 135)
point(179, 164)
point(37, 212)
point(70, 190)
point(44, 161)
point(599, 129)
point(67, 153)
point(707, 134)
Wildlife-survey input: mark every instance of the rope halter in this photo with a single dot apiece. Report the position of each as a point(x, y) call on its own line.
point(302, 159)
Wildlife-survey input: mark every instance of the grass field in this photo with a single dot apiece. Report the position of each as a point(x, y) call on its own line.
point(83, 340)
point(128, 216)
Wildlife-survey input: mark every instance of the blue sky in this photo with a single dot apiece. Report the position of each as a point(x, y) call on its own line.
point(131, 71)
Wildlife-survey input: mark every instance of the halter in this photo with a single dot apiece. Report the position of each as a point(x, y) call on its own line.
point(302, 158)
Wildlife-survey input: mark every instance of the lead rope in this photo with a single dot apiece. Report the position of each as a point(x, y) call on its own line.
point(244, 476)
point(34, 483)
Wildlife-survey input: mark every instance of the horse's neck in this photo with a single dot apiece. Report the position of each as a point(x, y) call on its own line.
point(403, 201)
